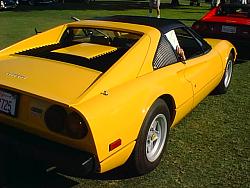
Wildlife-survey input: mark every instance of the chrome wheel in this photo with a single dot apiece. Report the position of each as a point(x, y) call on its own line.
point(156, 137)
point(228, 73)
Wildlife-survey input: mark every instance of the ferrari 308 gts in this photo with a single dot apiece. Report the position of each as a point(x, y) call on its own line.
point(94, 94)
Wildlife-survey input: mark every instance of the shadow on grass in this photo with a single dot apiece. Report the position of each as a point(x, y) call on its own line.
point(243, 56)
point(119, 173)
point(16, 172)
point(49, 180)
point(22, 172)
point(242, 60)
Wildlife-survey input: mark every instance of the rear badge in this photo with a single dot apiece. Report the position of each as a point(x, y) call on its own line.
point(15, 75)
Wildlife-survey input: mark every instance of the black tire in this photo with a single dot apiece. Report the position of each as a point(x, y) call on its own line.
point(142, 160)
point(226, 79)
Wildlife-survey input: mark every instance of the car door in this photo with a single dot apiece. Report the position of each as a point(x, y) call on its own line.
point(170, 73)
point(201, 64)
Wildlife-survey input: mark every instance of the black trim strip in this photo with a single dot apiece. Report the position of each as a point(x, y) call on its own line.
point(162, 24)
point(100, 63)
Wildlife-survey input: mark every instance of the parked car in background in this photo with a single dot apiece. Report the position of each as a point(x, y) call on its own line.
point(6, 4)
point(39, 2)
point(227, 21)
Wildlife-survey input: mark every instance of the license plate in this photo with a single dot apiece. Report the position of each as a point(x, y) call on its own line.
point(228, 29)
point(8, 102)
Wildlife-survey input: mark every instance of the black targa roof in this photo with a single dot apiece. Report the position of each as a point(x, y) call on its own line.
point(162, 24)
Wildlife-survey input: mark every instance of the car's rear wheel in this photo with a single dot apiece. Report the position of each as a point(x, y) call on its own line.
point(152, 138)
point(226, 79)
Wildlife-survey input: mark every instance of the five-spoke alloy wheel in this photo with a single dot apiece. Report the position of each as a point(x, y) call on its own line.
point(152, 138)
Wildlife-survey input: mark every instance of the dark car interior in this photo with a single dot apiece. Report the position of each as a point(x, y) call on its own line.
point(235, 10)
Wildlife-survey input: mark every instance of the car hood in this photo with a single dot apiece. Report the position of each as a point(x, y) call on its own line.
point(50, 79)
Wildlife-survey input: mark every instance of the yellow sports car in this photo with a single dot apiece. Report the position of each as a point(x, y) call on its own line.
point(94, 94)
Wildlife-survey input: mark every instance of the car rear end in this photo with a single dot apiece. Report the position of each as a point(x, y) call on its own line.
point(35, 122)
point(231, 23)
point(37, 95)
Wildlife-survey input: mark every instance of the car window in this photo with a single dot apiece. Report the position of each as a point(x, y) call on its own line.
point(204, 45)
point(188, 43)
point(99, 36)
point(164, 55)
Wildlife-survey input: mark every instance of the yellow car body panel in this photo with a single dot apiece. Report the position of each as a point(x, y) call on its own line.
point(61, 79)
point(153, 87)
point(113, 103)
point(117, 159)
point(51, 36)
point(107, 81)
point(86, 50)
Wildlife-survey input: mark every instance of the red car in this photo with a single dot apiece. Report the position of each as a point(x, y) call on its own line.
point(227, 21)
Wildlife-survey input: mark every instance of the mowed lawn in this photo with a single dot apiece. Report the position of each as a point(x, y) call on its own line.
point(208, 148)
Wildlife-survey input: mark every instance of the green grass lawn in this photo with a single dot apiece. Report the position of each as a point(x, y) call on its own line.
point(208, 148)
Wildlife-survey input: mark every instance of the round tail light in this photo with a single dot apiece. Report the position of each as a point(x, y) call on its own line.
point(75, 126)
point(55, 117)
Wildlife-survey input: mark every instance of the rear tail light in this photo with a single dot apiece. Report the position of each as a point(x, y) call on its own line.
point(75, 126)
point(58, 120)
point(55, 117)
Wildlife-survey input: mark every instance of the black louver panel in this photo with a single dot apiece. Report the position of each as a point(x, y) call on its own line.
point(164, 55)
point(100, 63)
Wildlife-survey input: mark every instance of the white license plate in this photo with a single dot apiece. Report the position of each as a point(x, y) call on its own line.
point(228, 29)
point(8, 102)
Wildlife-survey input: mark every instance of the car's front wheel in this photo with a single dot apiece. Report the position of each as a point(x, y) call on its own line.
point(152, 138)
point(226, 79)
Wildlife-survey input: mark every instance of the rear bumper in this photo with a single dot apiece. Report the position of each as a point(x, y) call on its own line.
point(65, 159)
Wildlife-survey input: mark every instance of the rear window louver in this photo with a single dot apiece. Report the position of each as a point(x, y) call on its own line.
point(100, 63)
